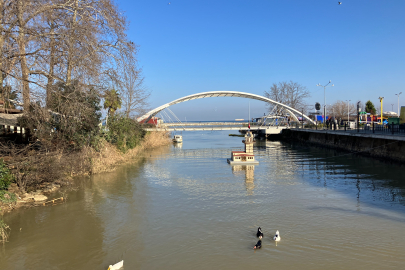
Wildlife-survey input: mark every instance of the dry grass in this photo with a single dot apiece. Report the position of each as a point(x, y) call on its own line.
point(34, 169)
point(92, 162)
point(3, 231)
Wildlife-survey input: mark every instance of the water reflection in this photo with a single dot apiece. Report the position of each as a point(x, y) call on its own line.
point(249, 176)
point(367, 179)
point(167, 209)
point(178, 145)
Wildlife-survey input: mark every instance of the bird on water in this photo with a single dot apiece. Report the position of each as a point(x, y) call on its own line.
point(277, 236)
point(116, 266)
point(258, 245)
point(259, 233)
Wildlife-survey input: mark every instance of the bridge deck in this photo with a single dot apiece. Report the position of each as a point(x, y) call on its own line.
point(206, 124)
point(267, 130)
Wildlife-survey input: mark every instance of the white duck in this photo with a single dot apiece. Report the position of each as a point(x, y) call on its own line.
point(116, 266)
point(277, 236)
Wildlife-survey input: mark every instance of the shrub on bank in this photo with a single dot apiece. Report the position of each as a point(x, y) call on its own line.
point(6, 178)
point(7, 197)
point(125, 133)
point(71, 118)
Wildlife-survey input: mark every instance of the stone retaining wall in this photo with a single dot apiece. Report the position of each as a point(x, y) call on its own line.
point(384, 148)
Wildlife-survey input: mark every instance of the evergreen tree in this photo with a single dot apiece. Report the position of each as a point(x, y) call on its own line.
point(370, 107)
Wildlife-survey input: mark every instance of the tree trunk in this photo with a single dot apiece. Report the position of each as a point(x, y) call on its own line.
point(23, 58)
point(51, 67)
point(70, 46)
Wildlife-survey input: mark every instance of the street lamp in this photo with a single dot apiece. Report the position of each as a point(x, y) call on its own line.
point(381, 100)
point(324, 98)
point(348, 110)
point(398, 101)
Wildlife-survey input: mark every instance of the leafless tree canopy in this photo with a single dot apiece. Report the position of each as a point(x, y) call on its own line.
point(289, 93)
point(48, 43)
point(340, 108)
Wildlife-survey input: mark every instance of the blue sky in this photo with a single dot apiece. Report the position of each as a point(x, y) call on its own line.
point(192, 46)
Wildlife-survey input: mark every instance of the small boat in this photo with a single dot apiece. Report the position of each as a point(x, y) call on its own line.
point(177, 138)
point(116, 266)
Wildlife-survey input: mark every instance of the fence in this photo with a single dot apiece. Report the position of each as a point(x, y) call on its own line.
point(16, 133)
point(373, 128)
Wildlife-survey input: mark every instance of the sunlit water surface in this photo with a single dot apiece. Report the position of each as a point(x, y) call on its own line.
point(184, 207)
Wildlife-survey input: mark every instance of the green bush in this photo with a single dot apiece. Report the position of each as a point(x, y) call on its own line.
point(125, 133)
point(5, 176)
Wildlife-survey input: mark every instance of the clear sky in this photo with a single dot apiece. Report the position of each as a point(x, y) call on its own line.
point(189, 46)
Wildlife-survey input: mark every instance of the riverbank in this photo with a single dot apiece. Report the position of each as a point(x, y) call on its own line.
point(38, 175)
point(373, 145)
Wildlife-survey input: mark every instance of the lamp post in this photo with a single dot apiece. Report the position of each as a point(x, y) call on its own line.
point(324, 98)
point(398, 101)
point(381, 100)
point(348, 110)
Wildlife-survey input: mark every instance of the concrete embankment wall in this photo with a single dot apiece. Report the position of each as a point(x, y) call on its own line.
point(385, 147)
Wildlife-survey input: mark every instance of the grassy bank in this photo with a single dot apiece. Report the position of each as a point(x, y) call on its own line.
point(38, 171)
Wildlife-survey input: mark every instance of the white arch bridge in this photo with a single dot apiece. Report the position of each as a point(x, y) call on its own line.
point(291, 111)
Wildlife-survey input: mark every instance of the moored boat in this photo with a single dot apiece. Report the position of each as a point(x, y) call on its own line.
point(177, 138)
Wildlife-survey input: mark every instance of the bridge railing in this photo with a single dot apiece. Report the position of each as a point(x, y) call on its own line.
point(370, 128)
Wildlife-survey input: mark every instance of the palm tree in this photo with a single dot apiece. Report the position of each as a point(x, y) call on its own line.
point(112, 101)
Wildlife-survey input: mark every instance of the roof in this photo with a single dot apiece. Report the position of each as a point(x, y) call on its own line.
point(244, 155)
point(10, 111)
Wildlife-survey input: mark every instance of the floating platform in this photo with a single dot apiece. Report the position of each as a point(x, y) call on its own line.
point(252, 162)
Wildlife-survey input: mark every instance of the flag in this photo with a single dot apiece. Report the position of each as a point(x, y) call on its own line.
point(249, 126)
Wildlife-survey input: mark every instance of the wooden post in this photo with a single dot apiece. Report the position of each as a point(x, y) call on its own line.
point(27, 135)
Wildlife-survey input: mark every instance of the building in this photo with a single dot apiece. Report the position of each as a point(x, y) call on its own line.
point(247, 156)
point(154, 121)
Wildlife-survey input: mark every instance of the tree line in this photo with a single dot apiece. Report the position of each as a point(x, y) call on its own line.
point(61, 57)
point(294, 95)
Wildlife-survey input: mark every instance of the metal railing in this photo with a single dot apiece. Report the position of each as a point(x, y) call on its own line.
point(373, 128)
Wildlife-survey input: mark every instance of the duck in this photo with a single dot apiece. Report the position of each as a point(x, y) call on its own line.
point(277, 236)
point(116, 266)
point(258, 245)
point(259, 233)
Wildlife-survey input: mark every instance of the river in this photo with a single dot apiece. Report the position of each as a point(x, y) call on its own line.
point(184, 207)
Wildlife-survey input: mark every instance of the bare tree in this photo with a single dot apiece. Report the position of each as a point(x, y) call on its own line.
point(46, 43)
point(289, 93)
point(134, 95)
point(340, 109)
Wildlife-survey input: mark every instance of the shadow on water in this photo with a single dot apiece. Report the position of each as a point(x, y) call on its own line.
point(369, 180)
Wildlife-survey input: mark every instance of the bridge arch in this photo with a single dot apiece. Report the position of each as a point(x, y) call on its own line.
point(153, 112)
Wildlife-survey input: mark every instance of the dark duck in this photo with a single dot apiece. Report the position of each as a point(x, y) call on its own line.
point(259, 233)
point(258, 245)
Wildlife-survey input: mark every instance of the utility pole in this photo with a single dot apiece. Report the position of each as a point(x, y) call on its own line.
point(381, 100)
point(324, 98)
point(398, 101)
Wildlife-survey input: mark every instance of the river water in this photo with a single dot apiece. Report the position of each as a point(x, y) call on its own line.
point(184, 207)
